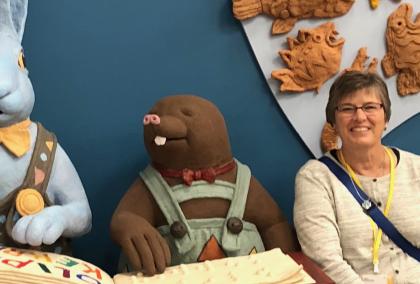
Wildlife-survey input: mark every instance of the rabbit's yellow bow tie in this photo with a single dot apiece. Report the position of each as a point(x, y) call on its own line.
point(16, 138)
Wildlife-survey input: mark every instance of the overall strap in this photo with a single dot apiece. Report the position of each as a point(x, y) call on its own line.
point(231, 241)
point(370, 208)
point(39, 169)
point(169, 206)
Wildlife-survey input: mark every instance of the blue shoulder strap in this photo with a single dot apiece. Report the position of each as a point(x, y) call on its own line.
point(372, 210)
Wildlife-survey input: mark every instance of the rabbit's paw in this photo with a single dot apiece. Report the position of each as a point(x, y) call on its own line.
point(44, 227)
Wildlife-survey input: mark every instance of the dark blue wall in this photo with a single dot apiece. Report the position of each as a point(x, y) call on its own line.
point(98, 66)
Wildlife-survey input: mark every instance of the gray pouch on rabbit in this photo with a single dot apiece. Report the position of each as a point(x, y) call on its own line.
point(42, 200)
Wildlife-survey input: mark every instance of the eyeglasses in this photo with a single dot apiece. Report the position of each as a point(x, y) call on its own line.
point(368, 108)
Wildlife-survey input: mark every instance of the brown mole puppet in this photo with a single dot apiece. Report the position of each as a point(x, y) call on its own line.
point(194, 202)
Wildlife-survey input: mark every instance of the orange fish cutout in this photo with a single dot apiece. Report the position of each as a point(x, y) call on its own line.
point(211, 250)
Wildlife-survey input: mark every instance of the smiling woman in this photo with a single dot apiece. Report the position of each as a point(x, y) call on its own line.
point(332, 227)
point(355, 110)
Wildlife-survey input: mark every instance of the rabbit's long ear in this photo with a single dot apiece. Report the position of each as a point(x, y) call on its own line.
point(6, 23)
point(19, 9)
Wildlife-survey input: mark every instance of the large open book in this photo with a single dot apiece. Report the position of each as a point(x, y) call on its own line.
point(33, 267)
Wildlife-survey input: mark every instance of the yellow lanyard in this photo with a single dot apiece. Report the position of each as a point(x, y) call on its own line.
point(377, 233)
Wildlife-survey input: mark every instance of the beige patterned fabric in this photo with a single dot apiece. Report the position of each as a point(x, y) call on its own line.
point(334, 231)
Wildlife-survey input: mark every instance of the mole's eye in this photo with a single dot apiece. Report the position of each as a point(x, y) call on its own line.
point(187, 112)
point(21, 60)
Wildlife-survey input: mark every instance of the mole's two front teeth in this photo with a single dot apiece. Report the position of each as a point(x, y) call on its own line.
point(160, 141)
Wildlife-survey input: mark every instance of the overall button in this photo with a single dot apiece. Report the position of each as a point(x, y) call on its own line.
point(234, 225)
point(178, 229)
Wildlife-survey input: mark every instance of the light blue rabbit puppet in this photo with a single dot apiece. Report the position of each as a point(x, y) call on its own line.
point(42, 200)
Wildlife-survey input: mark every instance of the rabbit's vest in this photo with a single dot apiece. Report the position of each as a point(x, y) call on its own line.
point(37, 177)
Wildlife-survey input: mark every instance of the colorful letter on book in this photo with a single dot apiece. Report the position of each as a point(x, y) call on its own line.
point(29, 266)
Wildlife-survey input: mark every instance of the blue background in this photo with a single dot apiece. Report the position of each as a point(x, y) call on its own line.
point(98, 66)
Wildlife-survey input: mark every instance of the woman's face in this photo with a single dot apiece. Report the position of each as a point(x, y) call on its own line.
point(360, 129)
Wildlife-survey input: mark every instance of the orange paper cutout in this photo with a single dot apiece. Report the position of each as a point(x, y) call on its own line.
point(49, 145)
point(253, 251)
point(211, 250)
point(39, 176)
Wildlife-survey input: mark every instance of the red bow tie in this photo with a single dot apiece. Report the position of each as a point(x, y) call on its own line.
point(188, 175)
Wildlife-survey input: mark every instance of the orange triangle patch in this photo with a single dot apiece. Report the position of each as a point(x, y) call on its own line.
point(49, 145)
point(253, 251)
point(211, 250)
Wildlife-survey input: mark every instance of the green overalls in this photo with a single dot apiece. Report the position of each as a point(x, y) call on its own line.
point(202, 239)
point(37, 177)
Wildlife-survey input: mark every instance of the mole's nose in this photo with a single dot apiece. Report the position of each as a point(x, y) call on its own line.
point(151, 118)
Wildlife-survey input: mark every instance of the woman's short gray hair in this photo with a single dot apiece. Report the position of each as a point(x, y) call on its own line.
point(350, 82)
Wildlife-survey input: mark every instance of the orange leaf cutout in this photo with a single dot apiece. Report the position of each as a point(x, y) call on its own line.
point(211, 250)
point(39, 176)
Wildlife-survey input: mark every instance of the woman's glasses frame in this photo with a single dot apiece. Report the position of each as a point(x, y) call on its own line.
point(368, 108)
